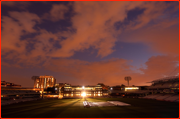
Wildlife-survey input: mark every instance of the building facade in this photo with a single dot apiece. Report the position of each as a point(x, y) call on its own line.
point(128, 91)
point(69, 91)
point(165, 85)
point(43, 82)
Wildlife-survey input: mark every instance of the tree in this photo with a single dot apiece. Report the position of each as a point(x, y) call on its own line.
point(122, 85)
point(34, 77)
point(104, 87)
point(127, 78)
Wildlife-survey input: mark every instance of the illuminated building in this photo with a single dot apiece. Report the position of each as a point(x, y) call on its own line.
point(69, 91)
point(43, 82)
point(128, 91)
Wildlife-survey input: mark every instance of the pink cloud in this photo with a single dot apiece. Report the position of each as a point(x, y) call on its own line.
point(57, 12)
point(159, 39)
point(94, 24)
point(13, 30)
point(94, 27)
point(18, 4)
point(112, 72)
point(89, 71)
point(26, 20)
point(161, 65)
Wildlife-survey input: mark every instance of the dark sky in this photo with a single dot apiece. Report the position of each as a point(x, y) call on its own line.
point(89, 42)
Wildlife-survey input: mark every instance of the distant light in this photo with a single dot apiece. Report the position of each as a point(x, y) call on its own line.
point(83, 94)
point(111, 88)
point(131, 88)
point(55, 88)
point(83, 87)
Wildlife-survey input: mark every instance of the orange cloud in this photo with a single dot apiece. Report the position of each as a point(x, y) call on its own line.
point(18, 4)
point(94, 24)
point(159, 39)
point(89, 71)
point(94, 27)
point(112, 72)
point(161, 65)
point(57, 12)
point(13, 30)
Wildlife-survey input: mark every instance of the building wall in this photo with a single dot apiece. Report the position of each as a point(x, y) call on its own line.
point(43, 82)
point(78, 91)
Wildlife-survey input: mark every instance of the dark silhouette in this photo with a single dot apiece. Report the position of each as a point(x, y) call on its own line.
point(127, 78)
point(122, 85)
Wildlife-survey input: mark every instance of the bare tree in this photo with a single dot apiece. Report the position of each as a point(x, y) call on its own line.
point(127, 78)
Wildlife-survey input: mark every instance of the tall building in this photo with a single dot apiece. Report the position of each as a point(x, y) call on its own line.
point(42, 82)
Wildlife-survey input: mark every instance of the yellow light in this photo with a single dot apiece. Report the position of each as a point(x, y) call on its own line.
point(83, 94)
point(131, 88)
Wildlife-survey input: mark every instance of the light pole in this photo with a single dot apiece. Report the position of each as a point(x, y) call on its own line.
point(127, 78)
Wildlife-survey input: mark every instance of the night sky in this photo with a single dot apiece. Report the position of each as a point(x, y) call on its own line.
point(89, 42)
